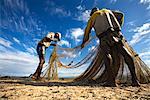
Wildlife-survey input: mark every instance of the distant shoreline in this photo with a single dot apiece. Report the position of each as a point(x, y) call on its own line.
point(11, 77)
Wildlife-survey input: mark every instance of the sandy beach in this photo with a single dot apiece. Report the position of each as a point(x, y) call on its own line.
point(22, 88)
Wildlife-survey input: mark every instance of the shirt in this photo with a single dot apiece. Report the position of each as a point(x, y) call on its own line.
point(99, 21)
point(45, 41)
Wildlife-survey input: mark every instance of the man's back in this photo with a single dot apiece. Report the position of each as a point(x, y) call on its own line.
point(101, 22)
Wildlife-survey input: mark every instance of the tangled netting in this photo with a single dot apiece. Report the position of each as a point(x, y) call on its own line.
point(94, 60)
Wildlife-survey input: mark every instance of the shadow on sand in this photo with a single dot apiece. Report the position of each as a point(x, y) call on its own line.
point(49, 83)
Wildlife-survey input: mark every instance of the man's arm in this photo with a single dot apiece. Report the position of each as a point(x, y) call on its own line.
point(53, 44)
point(87, 32)
point(88, 28)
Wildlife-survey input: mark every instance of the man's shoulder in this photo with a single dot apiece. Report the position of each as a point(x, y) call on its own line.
point(101, 11)
point(46, 39)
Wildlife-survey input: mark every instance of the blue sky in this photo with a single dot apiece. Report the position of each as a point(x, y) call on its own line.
point(24, 22)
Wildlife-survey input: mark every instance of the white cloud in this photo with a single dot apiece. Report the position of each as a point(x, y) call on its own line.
point(80, 7)
point(68, 54)
point(92, 48)
point(148, 7)
point(84, 16)
point(76, 32)
point(146, 2)
point(64, 42)
point(5, 43)
point(113, 1)
point(61, 11)
point(22, 21)
point(97, 41)
point(140, 33)
point(20, 5)
point(16, 40)
point(131, 23)
point(17, 63)
point(17, 56)
point(54, 9)
point(144, 53)
point(81, 1)
point(3, 48)
point(31, 50)
point(144, 27)
point(146, 57)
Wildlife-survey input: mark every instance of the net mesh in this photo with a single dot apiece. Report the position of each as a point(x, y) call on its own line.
point(94, 60)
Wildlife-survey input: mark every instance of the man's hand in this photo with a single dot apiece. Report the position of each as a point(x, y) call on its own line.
point(53, 44)
point(82, 45)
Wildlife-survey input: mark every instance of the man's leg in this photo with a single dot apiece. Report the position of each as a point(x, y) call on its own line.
point(37, 73)
point(129, 61)
point(107, 75)
point(116, 61)
point(40, 51)
point(109, 70)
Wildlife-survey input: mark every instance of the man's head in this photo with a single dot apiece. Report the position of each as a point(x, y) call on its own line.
point(93, 10)
point(57, 36)
point(54, 36)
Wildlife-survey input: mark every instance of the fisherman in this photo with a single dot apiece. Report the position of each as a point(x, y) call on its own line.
point(41, 50)
point(107, 25)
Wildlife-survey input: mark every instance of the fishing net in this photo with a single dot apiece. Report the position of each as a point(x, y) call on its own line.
point(92, 60)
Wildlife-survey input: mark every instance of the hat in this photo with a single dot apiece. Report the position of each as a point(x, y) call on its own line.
point(50, 35)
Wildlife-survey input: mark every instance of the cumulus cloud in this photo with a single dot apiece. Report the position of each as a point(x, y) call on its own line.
point(83, 15)
point(141, 33)
point(76, 32)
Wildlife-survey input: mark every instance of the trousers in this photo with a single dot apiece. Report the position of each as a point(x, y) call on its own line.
point(112, 50)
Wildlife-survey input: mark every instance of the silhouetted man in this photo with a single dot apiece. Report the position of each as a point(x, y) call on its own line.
point(41, 47)
point(107, 25)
